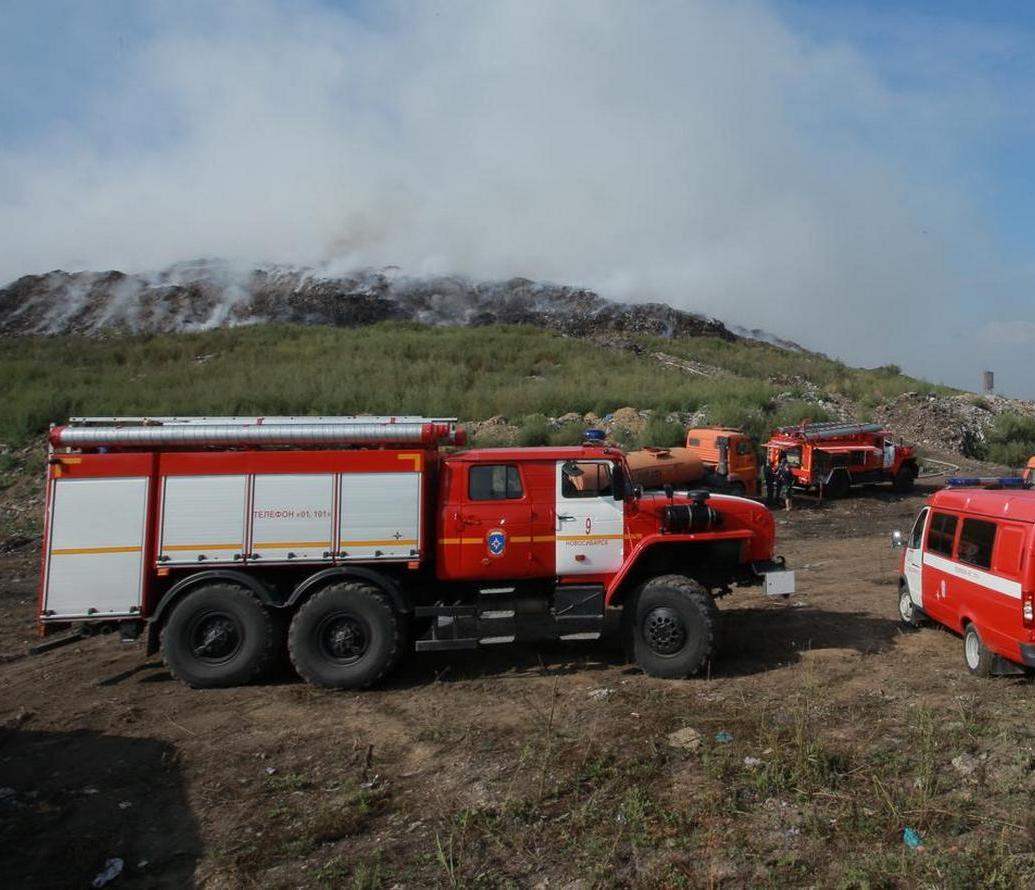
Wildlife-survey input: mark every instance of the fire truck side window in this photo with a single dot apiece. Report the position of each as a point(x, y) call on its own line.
point(589, 480)
point(976, 542)
point(494, 483)
point(693, 443)
point(744, 448)
point(793, 456)
point(943, 531)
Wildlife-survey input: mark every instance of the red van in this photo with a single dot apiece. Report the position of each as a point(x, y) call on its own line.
point(969, 564)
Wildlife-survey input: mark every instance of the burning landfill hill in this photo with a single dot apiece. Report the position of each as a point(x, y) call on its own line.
point(204, 295)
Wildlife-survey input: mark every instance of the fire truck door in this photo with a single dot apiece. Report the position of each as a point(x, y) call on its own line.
point(914, 561)
point(494, 523)
point(590, 526)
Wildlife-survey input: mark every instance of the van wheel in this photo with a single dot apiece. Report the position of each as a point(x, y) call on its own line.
point(219, 635)
point(908, 613)
point(978, 658)
point(675, 627)
point(347, 636)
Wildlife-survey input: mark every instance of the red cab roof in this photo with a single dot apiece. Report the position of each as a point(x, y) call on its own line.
point(996, 503)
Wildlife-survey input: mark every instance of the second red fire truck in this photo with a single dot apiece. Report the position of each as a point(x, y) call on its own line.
point(829, 458)
point(350, 540)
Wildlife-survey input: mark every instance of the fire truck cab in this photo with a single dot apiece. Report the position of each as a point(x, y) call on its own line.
point(969, 564)
point(351, 540)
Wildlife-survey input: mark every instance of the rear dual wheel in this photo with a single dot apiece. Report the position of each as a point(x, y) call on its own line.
point(347, 636)
point(218, 635)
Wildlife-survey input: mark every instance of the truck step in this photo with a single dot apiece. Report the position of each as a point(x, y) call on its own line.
point(442, 645)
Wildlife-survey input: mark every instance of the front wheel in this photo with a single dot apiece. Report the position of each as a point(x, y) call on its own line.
point(347, 636)
point(219, 635)
point(976, 655)
point(908, 613)
point(675, 627)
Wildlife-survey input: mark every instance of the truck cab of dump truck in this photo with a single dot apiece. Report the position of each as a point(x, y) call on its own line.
point(729, 452)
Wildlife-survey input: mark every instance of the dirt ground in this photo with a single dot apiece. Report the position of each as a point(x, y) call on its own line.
point(822, 733)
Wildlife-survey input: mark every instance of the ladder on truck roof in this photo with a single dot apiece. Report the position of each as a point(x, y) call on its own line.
point(250, 420)
point(831, 430)
point(277, 431)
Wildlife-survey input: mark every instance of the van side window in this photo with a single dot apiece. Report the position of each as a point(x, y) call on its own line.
point(976, 541)
point(494, 483)
point(940, 537)
point(917, 535)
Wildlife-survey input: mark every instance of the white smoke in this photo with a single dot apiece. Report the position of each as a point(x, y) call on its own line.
point(700, 153)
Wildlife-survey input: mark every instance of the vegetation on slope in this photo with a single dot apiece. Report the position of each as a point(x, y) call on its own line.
point(405, 368)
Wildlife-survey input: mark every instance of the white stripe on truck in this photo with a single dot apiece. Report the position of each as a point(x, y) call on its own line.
point(975, 576)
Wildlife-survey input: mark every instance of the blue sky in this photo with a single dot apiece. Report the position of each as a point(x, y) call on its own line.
point(856, 176)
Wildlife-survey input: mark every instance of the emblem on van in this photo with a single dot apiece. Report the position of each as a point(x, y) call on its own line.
point(496, 540)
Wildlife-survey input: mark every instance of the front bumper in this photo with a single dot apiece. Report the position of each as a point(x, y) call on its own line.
point(775, 577)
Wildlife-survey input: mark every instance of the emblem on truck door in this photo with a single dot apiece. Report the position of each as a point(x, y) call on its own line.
point(497, 542)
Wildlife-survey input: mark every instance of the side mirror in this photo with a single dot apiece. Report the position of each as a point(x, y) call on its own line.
point(897, 540)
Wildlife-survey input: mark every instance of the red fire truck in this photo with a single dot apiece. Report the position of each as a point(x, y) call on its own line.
point(969, 564)
point(355, 538)
point(829, 458)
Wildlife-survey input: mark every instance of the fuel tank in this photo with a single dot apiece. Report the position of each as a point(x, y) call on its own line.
point(654, 467)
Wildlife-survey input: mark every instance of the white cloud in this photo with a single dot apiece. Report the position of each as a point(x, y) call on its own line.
point(700, 153)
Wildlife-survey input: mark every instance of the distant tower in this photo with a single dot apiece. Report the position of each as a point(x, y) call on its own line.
point(989, 381)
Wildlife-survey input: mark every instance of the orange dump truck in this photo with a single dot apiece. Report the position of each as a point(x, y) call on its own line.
point(714, 457)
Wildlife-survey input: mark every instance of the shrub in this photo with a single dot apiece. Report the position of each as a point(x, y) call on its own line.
point(1010, 440)
point(662, 433)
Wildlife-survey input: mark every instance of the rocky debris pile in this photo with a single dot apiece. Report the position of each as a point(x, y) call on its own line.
point(624, 427)
point(209, 294)
point(836, 405)
point(957, 424)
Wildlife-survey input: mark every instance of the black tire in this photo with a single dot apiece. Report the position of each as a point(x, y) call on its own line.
point(904, 479)
point(976, 657)
point(908, 614)
point(347, 636)
point(838, 486)
point(218, 635)
point(675, 628)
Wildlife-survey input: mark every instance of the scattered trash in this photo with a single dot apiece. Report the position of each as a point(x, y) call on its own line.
point(723, 737)
point(601, 694)
point(271, 770)
point(752, 762)
point(372, 783)
point(965, 764)
point(6, 793)
point(142, 864)
point(112, 869)
point(125, 805)
point(90, 790)
point(687, 739)
point(911, 838)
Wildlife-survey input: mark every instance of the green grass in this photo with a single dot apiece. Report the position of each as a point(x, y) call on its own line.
point(472, 373)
